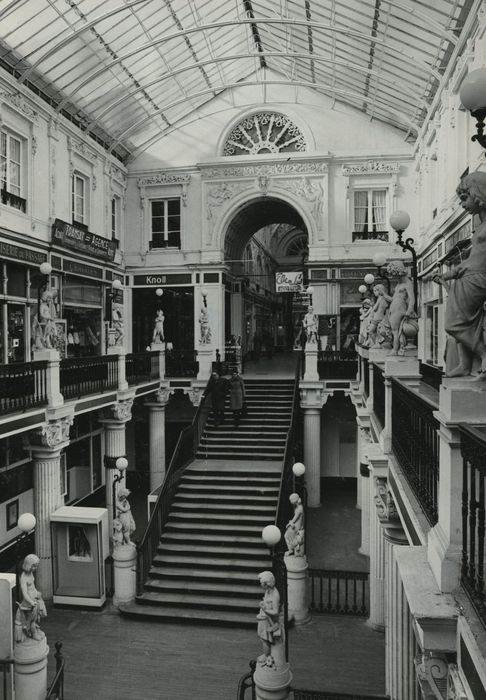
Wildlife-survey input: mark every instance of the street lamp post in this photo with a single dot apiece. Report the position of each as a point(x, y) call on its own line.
point(120, 464)
point(271, 535)
point(26, 523)
point(399, 221)
point(473, 98)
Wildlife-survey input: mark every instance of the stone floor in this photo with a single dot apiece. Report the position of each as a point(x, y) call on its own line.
point(110, 657)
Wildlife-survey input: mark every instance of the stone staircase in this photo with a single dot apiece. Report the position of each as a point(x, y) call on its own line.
point(261, 433)
point(211, 550)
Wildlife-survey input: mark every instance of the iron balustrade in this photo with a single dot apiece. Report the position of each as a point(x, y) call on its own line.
point(432, 376)
point(184, 453)
point(80, 376)
point(337, 364)
point(370, 236)
point(247, 682)
point(339, 592)
point(415, 442)
point(23, 385)
point(142, 367)
point(366, 376)
point(379, 395)
point(181, 363)
point(56, 689)
point(473, 569)
point(13, 200)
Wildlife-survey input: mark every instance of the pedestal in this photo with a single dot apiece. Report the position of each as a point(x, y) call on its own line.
point(205, 358)
point(273, 683)
point(297, 587)
point(311, 352)
point(30, 664)
point(52, 387)
point(124, 564)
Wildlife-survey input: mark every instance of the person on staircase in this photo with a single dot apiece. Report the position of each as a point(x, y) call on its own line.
point(217, 389)
point(237, 396)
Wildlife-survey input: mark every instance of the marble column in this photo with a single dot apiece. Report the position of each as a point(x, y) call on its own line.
point(365, 509)
point(377, 565)
point(394, 537)
point(400, 641)
point(312, 455)
point(46, 445)
point(157, 438)
point(114, 421)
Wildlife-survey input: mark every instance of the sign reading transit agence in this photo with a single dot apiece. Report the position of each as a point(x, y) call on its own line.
point(80, 239)
point(289, 282)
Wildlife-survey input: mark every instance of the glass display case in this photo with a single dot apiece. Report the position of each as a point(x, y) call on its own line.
point(80, 546)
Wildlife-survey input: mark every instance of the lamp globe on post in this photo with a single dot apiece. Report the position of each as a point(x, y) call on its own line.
point(121, 464)
point(159, 292)
point(473, 97)
point(399, 221)
point(369, 279)
point(362, 289)
point(298, 470)
point(310, 292)
point(379, 259)
point(116, 285)
point(26, 522)
point(45, 269)
point(204, 294)
point(271, 535)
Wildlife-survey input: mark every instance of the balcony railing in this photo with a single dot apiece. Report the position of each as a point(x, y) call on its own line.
point(142, 367)
point(473, 570)
point(181, 363)
point(432, 376)
point(370, 236)
point(13, 200)
point(339, 592)
point(379, 395)
point(22, 386)
point(337, 364)
point(88, 375)
point(415, 442)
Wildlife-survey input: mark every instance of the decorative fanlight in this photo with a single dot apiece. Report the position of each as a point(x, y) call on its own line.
point(265, 132)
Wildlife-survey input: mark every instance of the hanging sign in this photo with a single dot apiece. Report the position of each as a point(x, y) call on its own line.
point(80, 239)
point(289, 282)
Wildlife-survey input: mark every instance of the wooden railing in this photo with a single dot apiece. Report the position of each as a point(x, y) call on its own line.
point(181, 363)
point(184, 453)
point(23, 386)
point(415, 442)
point(88, 375)
point(379, 395)
point(339, 592)
point(56, 689)
point(431, 375)
point(473, 570)
point(337, 364)
point(141, 367)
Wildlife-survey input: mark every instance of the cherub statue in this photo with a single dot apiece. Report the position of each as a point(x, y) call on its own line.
point(364, 318)
point(32, 607)
point(158, 335)
point(294, 533)
point(205, 329)
point(464, 316)
point(310, 326)
point(377, 314)
point(270, 629)
point(124, 515)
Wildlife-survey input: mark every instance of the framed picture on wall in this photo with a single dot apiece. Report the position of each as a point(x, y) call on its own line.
point(12, 514)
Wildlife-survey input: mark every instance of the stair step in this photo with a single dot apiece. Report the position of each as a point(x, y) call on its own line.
point(194, 600)
point(191, 527)
point(227, 518)
point(180, 614)
point(198, 561)
point(216, 488)
point(242, 440)
point(208, 588)
point(215, 540)
point(196, 477)
point(224, 498)
point(237, 455)
point(257, 550)
point(218, 576)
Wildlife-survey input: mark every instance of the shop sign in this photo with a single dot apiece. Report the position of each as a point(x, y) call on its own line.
point(83, 241)
point(289, 282)
point(7, 250)
point(81, 269)
point(155, 280)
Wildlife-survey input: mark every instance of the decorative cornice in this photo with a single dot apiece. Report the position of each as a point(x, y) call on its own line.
point(162, 395)
point(371, 167)
point(285, 168)
point(219, 194)
point(16, 100)
point(164, 179)
point(82, 149)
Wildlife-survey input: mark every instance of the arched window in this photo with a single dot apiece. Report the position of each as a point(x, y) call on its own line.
point(265, 132)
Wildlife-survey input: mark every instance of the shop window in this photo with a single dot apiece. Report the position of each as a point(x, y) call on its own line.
point(80, 191)
point(16, 332)
point(15, 481)
point(16, 280)
point(165, 226)
point(115, 219)
point(84, 459)
point(370, 215)
point(11, 170)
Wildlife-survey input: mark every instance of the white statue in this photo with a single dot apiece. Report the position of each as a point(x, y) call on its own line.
point(364, 317)
point(158, 335)
point(205, 329)
point(294, 533)
point(270, 628)
point(32, 607)
point(45, 330)
point(401, 313)
point(124, 515)
point(377, 315)
point(117, 321)
point(117, 537)
point(310, 326)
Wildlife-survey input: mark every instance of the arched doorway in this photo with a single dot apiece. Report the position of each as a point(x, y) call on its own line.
point(264, 237)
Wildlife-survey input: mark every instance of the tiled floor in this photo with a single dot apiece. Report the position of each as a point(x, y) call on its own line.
point(110, 657)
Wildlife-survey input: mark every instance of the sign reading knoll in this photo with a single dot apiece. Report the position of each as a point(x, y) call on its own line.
point(76, 238)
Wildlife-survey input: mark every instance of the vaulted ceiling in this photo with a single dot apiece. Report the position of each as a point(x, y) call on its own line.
point(127, 70)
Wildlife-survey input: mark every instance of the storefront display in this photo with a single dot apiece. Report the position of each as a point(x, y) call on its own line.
point(80, 545)
point(82, 310)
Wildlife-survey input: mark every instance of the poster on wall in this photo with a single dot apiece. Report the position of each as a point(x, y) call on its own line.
point(289, 282)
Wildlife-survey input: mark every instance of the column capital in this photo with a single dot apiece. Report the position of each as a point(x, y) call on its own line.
point(160, 399)
point(52, 435)
point(119, 412)
point(385, 505)
point(312, 396)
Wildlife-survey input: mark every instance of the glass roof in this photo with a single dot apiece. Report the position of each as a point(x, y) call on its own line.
point(127, 70)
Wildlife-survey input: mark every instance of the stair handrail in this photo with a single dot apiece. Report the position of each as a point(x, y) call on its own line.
point(184, 453)
point(246, 682)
